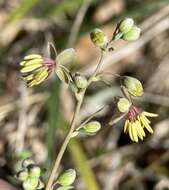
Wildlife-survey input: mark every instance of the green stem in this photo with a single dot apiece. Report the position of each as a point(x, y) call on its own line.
point(54, 172)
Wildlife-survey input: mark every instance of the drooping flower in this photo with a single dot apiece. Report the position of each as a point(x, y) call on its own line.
point(136, 123)
point(35, 69)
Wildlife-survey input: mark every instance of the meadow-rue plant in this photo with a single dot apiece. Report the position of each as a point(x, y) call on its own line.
point(36, 68)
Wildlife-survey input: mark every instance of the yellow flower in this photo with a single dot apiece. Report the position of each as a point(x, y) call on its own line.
point(35, 69)
point(137, 122)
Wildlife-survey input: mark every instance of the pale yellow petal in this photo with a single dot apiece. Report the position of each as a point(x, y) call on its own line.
point(148, 114)
point(126, 126)
point(134, 132)
point(32, 56)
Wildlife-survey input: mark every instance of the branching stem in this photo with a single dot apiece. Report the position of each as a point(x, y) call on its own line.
point(54, 173)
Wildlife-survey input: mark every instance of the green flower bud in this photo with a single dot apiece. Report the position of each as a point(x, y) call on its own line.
point(123, 105)
point(133, 86)
point(22, 175)
point(67, 178)
point(126, 25)
point(41, 185)
point(80, 81)
point(132, 35)
point(30, 183)
point(99, 38)
point(34, 171)
point(27, 162)
point(92, 127)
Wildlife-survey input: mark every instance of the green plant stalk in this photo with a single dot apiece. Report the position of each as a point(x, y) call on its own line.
point(54, 173)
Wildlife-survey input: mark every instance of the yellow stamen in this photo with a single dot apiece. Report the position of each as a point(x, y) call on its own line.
point(130, 131)
point(41, 75)
point(148, 114)
point(22, 63)
point(126, 125)
point(32, 56)
point(134, 132)
point(31, 65)
point(140, 128)
point(32, 83)
point(145, 118)
point(29, 77)
point(146, 125)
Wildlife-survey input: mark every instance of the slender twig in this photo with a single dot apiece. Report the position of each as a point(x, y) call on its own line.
point(91, 117)
point(54, 172)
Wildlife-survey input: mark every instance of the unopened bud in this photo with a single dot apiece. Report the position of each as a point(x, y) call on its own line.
point(132, 35)
point(126, 25)
point(27, 162)
point(80, 81)
point(99, 38)
point(123, 105)
point(34, 171)
point(22, 175)
point(67, 178)
point(30, 183)
point(133, 86)
point(92, 127)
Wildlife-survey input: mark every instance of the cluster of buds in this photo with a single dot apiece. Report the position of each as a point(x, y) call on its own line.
point(65, 180)
point(29, 175)
point(127, 30)
point(136, 120)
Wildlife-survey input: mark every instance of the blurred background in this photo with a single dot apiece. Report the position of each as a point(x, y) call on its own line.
point(33, 122)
